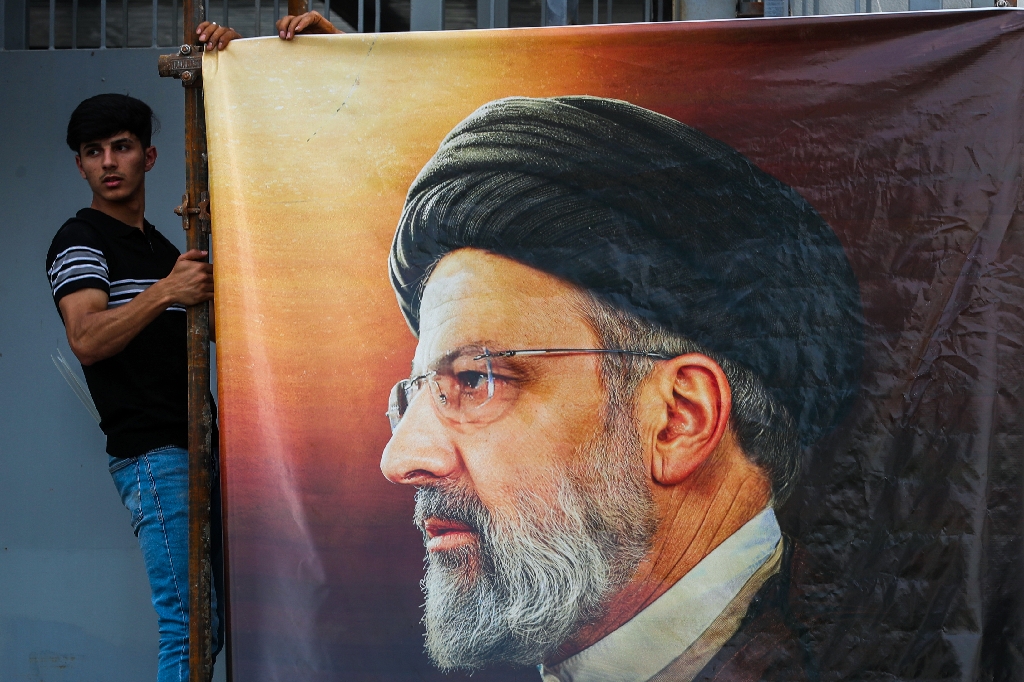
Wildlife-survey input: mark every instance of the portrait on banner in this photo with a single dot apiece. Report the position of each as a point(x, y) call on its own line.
point(665, 352)
point(626, 333)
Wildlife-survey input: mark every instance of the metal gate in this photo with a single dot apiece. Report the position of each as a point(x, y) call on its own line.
point(106, 24)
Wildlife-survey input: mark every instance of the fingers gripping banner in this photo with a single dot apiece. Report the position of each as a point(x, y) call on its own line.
point(665, 351)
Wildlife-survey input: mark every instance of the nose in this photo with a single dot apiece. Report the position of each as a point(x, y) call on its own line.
point(108, 158)
point(420, 450)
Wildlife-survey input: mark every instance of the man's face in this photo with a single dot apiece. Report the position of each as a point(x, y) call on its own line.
point(115, 167)
point(534, 517)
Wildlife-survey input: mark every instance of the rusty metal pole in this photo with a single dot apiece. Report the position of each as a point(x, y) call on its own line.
point(297, 7)
point(200, 419)
point(195, 218)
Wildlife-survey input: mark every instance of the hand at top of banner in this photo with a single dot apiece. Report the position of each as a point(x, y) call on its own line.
point(216, 37)
point(310, 22)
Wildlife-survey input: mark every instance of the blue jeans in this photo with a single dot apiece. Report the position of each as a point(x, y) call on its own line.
point(154, 488)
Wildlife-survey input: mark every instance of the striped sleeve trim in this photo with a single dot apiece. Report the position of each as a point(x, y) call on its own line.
point(75, 264)
point(124, 290)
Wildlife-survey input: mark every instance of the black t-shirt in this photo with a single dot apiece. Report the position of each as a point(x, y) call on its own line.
point(142, 392)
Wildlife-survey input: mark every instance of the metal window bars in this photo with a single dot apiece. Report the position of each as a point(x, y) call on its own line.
point(90, 24)
point(101, 24)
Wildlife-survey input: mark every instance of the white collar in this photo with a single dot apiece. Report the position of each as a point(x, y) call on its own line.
point(657, 635)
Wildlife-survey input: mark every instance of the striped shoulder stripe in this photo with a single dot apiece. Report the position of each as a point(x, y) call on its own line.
point(77, 263)
point(97, 252)
point(69, 280)
point(75, 271)
point(76, 254)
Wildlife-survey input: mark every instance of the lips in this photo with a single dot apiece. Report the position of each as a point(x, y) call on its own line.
point(112, 181)
point(445, 534)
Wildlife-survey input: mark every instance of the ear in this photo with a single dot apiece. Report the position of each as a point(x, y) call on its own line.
point(690, 403)
point(150, 158)
point(78, 163)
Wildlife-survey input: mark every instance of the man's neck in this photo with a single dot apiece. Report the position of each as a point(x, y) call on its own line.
point(724, 494)
point(132, 211)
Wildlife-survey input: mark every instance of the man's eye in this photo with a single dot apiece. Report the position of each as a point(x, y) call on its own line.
point(470, 380)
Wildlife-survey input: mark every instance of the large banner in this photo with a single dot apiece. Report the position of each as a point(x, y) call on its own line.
point(666, 351)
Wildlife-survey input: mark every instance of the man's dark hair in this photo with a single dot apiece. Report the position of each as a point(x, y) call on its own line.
point(101, 116)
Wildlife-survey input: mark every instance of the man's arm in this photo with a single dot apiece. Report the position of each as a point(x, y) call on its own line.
point(96, 332)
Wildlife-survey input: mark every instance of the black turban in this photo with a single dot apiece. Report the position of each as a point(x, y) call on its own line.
point(659, 220)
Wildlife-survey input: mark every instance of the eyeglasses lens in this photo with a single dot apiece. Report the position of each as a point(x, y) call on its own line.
point(397, 403)
point(462, 387)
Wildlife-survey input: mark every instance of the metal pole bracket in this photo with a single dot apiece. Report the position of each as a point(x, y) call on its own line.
point(186, 65)
point(201, 211)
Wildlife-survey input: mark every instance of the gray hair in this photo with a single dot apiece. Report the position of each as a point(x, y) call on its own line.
point(762, 426)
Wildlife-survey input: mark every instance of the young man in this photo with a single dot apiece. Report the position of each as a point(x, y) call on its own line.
point(121, 289)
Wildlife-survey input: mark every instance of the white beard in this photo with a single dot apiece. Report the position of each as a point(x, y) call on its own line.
point(541, 570)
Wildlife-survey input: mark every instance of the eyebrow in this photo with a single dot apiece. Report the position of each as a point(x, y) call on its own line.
point(95, 144)
point(447, 357)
